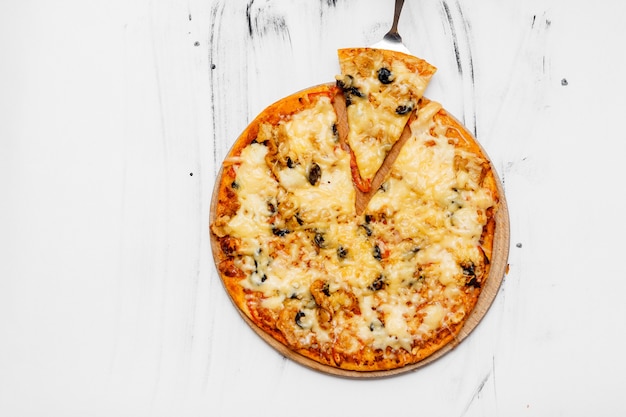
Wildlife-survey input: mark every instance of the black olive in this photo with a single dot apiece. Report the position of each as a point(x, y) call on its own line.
point(404, 109)
point(271, 207)
point(289, 162)
point(299, 315)
point(368, 231)
point(342, 252)
point(345, 83)
point(319, 240)
point(280, 232)
point(234, 184)
point(353, 91)
point(298, 219)
point(473, 282)
point(335, 129)
point(315, 173)
point(326, 289)
point(384, 76)
point(368, 218)
point(263, 278)
point(378, 284)
point(349, 90)
point(469, 272)
point(376, 253)
point(468, 269)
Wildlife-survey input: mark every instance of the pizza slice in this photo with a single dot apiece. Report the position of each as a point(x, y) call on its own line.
point(381, 90)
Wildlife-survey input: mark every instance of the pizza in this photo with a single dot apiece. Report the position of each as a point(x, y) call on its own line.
point(352, 278)
point(381, 89)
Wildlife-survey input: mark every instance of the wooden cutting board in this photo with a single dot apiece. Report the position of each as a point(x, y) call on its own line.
point(499, 265)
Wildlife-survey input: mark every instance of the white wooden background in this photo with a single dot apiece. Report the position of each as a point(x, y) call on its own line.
point(115, 115)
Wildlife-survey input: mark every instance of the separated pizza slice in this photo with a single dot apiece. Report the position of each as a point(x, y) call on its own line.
point(381, 89)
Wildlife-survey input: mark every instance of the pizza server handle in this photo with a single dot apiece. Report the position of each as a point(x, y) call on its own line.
point(393, 34)
point(392, 39)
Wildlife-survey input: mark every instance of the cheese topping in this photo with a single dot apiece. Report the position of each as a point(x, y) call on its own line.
point(256, 188)
point(381, 92)
point(392, 277)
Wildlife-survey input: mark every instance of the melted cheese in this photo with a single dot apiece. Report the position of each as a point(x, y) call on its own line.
point(371, 135)
point(434, 315)
point(375, 120)
point(428, 197)
point(255, 189)
point(310, 135)
point(405, 272)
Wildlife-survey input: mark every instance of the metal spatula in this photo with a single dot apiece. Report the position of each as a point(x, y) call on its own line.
point(392, 39)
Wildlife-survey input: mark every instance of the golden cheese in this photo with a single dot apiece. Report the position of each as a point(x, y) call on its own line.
point(310, 136)
point(256, 187)
point(401, 260)
point(378, 106)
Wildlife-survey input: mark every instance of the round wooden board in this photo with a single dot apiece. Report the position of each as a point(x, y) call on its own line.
point(498, 268)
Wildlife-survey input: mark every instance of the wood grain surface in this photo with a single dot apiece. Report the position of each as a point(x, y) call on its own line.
point(116, 115)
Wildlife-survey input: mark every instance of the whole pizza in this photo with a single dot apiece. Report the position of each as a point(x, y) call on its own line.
point(353, 222)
